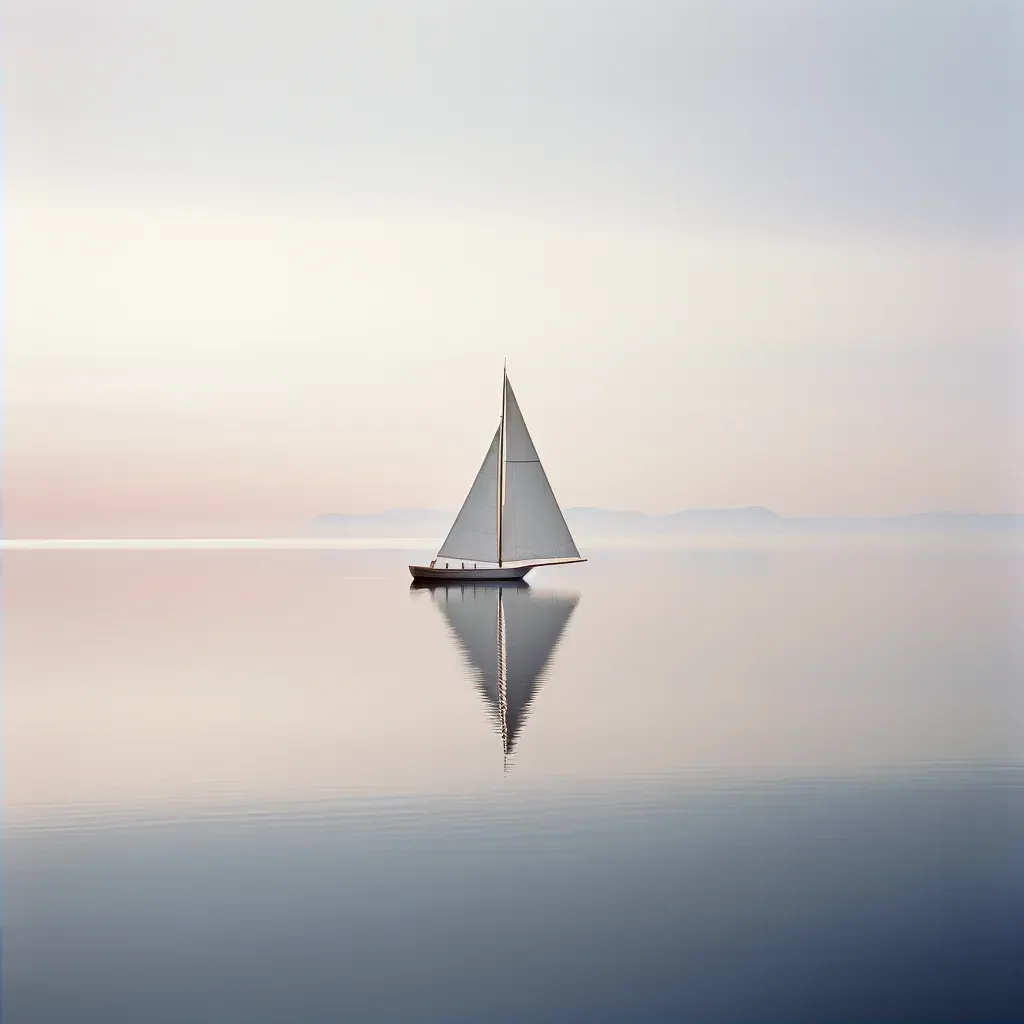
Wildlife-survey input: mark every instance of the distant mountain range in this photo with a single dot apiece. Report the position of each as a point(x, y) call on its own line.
point(598, 525)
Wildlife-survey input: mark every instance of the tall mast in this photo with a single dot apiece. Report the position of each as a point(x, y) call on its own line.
point(501, 457)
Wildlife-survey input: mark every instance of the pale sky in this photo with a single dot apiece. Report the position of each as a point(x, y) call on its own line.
point(264, 261)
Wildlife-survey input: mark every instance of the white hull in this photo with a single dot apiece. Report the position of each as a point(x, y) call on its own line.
point(427, 575)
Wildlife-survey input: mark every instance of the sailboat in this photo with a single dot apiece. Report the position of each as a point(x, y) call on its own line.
point(507, 633)
point(510, 521)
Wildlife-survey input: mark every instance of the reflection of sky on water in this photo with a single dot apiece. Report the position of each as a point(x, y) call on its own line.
point(257, 786)
point(896, 899)
point(285, 674)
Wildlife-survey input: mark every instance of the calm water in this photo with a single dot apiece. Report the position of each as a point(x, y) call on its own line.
point(282, 786)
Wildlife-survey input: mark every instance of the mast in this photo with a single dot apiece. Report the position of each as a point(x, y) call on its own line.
point(501, 456)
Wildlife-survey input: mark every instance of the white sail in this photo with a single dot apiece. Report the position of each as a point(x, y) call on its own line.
point(532, 525)
point(474, 534)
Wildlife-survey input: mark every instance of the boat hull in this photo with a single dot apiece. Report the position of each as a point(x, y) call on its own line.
point(423, 573)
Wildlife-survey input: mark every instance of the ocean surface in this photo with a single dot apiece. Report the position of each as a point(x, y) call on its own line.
point(254, 785)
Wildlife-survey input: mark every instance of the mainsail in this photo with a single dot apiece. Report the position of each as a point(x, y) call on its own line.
point(474, 534)
point(526, 524)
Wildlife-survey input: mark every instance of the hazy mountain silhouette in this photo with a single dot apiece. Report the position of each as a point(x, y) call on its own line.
point(593, 525)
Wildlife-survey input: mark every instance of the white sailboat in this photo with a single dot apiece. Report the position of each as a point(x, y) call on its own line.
point(510, 521)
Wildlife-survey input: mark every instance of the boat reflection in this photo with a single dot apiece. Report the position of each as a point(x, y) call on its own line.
point(507, 633)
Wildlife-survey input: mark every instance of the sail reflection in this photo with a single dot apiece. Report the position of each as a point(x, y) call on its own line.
point(507, 633)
